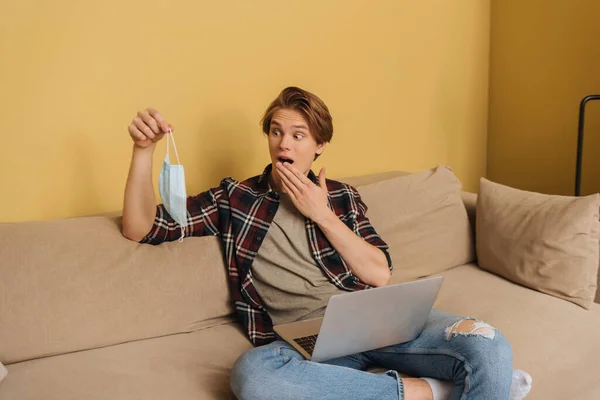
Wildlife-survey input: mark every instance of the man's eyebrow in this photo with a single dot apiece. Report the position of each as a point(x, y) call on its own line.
point(273, 122)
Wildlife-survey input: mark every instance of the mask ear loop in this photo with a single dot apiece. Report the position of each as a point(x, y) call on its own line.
point(168, 158)
point(170, 135)
point(174, 146)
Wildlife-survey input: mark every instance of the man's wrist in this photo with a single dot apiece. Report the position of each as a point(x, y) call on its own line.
point(144, 150)
point(326, 219)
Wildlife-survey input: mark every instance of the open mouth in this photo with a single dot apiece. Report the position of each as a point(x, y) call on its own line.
point(283, 159)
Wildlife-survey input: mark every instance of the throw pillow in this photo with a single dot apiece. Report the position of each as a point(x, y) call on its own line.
point(421, 216)
point(549, 243)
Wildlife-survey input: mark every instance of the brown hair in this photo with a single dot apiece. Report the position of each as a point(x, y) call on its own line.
point(312, 108)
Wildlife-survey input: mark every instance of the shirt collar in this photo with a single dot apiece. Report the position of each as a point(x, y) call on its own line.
point(263, 179)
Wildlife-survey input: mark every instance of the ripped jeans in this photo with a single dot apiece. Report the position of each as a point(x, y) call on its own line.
point(472, 354)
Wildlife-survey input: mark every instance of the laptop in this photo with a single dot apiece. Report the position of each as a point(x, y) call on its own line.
point(364, 320)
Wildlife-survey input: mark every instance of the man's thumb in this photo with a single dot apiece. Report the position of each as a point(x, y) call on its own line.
point(322, 182)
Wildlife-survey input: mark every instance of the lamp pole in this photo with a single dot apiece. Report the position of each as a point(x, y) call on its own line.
point(580, 140)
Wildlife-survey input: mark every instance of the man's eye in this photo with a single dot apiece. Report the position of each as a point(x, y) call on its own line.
point(275, 132)
point(298, 136)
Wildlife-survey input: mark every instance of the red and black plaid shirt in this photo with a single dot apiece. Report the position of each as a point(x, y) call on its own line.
point(241, 213)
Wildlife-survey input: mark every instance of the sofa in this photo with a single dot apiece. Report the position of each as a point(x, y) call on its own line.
point(88, 314)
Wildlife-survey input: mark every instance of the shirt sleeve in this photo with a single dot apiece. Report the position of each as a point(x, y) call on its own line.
point(202, 216)
point(365, 230)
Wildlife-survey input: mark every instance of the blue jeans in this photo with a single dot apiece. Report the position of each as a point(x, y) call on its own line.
point(480, 365)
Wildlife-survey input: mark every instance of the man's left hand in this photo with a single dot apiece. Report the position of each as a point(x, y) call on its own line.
point(309, 199)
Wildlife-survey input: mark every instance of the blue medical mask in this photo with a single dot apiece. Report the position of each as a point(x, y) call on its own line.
point(171, 186)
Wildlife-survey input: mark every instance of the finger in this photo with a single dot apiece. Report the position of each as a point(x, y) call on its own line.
point(303, 178)
point(291, 188)
point(135, 133)
point(322, 181)
point(159, 118)
point(141, 125)
point(158, 137)
point(149, 121)
point(288, 190)
point(293, 179)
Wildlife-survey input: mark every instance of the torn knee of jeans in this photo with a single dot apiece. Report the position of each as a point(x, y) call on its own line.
point(470, 327)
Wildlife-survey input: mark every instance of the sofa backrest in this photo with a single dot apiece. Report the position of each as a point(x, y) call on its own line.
point(74, 284)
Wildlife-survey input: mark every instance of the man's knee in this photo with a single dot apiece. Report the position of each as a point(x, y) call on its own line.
point(491, 347)
point(252, 370)
point(470, 327)
point(244, 373)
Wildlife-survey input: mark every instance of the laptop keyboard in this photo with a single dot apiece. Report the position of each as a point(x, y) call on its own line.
point(307, 343)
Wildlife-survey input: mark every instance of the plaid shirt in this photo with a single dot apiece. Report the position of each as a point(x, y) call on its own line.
point(241, 213)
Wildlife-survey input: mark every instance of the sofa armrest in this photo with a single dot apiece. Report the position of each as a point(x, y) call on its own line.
point(470, 201)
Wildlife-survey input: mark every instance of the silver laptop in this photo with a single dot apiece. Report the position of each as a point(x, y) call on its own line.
point(364, 320)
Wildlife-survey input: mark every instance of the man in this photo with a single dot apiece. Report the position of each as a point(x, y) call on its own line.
point(292, 240)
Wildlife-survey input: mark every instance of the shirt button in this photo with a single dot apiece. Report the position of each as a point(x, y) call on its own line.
point(259, 238)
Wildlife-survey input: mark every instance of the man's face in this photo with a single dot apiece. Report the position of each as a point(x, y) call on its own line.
point(290, 139)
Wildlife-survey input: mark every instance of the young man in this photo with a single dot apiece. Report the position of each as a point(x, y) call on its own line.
point(292, 240)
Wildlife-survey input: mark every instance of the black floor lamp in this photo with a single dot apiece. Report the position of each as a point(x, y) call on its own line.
point(580, 140)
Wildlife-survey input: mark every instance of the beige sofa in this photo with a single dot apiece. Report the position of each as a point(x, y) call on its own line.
point(88, 314)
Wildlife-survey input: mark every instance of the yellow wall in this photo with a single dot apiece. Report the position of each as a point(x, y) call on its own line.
point(545, 58)
point(406, 83)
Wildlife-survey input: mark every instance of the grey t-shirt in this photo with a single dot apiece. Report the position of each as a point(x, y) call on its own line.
point(286, 277)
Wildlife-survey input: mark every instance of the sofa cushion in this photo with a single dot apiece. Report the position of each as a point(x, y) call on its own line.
point(423, 219)
point(3, 372)
point(548, 243)
point(75, 284)
point(188, 366)
point(554, 340)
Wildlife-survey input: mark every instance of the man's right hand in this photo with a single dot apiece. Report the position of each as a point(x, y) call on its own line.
point(147, 128)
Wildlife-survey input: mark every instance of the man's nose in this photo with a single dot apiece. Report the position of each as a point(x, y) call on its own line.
point(285, 142)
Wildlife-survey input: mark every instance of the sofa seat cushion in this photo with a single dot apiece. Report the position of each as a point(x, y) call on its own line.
point(554, 340)
point(183, 366)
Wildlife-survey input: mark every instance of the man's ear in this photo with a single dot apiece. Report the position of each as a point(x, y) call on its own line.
point(320, 148)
